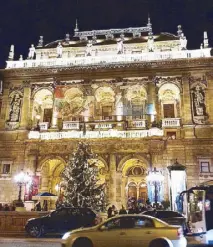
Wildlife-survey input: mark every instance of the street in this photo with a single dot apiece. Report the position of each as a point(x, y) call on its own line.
point(30, 242)
point(34, 242)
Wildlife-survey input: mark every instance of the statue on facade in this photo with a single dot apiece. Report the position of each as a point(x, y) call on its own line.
point(150, 42)
point(183, 42)
point(89, 48)
point(199, 101)
point(11, 53)
point(41, 41)
point(59, 50)
point(15, 107)
point(120, 47)
point(32, 52)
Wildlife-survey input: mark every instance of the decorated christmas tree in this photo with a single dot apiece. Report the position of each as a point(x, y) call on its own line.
point(81, 181)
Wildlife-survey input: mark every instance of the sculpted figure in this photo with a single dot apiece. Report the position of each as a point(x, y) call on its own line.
point(59, 50)
point(15, 105)
point(32, 52)
point(120, 47)
point(89, 48)
point(199, 101)
point(183, 42)
point(150, 42)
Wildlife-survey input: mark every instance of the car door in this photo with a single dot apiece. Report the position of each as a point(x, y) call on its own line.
point(110, 234)
point(142, 233)
point(57, 221)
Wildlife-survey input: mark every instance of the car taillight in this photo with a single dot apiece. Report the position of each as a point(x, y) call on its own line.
point(180, 232)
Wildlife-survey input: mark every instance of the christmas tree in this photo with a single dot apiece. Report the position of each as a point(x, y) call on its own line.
point(81, 181)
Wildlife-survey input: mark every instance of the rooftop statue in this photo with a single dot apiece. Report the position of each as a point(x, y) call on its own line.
point(11, 53)
point(120, 47)
point(150, 42)
point(183, 42)
point(32, 52)
point(41, 41)
point(89, 48)
point(59, 50)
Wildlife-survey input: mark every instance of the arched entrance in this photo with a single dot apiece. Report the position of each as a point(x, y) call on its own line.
point(134, 187)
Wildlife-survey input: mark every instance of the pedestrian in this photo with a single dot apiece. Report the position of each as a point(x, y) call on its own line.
point(109, 212)
point(38, 206)
point(122, 210)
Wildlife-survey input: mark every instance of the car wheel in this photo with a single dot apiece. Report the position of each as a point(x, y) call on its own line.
point(160, 243)
point(82, 242)
point(35, 231)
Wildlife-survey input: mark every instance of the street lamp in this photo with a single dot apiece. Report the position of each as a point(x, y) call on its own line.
point(155, 178)
point(22, 179)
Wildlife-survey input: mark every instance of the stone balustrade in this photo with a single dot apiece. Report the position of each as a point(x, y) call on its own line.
point(12, 223)
point(108, 59)
point(139, 123)
point(44, 126)
point(71, 125)
point(103, 126)
point(95, 134)
point(170, 122)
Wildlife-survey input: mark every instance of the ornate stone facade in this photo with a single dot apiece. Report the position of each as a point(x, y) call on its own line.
point(143, 110)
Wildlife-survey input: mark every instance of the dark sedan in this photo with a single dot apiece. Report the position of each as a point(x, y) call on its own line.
point(61, 221)
point(171, 217)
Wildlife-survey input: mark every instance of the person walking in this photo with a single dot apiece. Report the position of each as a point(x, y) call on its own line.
point(122, 210)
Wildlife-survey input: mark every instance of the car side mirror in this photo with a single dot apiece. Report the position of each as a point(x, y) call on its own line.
point(103, 228)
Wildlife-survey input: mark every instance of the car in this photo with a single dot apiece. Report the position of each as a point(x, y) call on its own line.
point(61, 221)
point(171, 217)
point(127, 230)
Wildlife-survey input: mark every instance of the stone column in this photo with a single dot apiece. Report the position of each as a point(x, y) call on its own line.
point(186, 116)
point(118, 188)
point(25, 105)
point(45, 178)
point(152, 100)
point(112, 180)
point(124, 191)
point(5, 108)
point(209, 97)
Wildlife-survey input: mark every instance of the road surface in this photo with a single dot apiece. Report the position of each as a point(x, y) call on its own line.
point(33, 242)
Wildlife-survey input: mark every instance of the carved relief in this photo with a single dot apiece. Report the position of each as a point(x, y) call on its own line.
point(197, 91)
point(160, 81)
point(105, 95)
point(16, 98)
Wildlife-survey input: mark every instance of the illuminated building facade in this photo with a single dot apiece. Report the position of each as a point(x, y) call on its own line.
point(142, 101)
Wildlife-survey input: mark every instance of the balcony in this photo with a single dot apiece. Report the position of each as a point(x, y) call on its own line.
point(137, 124)
point(170, 122)
point(71, 125)
point(108, 59)
point(44, 126)
point(95, 134)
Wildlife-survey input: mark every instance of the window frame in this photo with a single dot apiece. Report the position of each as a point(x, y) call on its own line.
point(2, 165)
point(208, 165)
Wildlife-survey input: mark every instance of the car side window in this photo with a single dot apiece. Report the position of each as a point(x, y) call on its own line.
point(143, 223)
point(74, 212)
point(62, 212)
point(113, 224)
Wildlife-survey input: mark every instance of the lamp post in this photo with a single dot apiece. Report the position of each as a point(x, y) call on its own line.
point(155, 178)
point(22, 179)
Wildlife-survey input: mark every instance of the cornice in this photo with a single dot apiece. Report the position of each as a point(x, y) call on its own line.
point(181, 64)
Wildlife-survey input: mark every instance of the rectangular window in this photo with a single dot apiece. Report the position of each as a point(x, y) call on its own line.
point(168, 111)
point(137, 111)
point(48, 115)
point(204, 166)
point(107, 112)
point(6, 169)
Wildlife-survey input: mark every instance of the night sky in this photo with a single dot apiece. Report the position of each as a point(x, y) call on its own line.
point(23, 21)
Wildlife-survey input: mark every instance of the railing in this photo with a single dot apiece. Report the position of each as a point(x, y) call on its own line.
point(170, 122)
point(103, 126)
point(44, 126)
point(138, 123)
point(70, 125)
point(95, 134)
point(107, 59)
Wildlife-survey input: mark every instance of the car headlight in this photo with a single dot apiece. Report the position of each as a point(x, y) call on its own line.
point(66, 235)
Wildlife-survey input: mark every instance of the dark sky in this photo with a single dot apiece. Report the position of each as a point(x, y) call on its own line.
point(23, 21)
